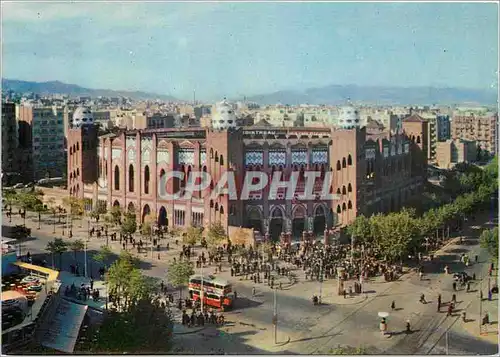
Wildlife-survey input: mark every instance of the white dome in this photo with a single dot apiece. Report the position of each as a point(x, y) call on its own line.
point(224, 118)
point(349, 117)
point(82, 116)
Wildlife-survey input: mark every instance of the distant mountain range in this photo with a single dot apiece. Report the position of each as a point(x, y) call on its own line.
point(333, 94)
point(56, 87)
point(338, 94)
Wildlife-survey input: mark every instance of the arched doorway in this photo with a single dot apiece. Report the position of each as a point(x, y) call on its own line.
point(298, 221)
point(145, 211)
point(162, 217)
point(255, 219)
point(276, 224)
point(116, 204)
point(131, 208)
point(319, 220)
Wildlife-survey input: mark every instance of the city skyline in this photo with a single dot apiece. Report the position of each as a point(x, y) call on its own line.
point(237, 49)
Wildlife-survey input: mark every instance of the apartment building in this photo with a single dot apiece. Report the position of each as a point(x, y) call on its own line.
point(452, 152)
point(9, 138)
point(42, 141)
point(481, 128)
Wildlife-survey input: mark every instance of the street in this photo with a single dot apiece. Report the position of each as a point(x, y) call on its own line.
point(318, 329)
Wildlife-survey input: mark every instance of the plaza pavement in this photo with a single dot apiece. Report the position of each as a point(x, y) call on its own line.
point(351, 321)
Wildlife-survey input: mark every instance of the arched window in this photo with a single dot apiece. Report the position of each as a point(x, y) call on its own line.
point(418, 139)
point(349, 205)
point(131, 178)
point(78, 172)
point(77, 146)
point(71, 150)
point(211, 153)
point(146, 179)
point(338, 165)
point(349, 188)
point(221, 161)
point(344, 206)
point(216, 206)
point(338, 209)
point(162, 173)
point(221, 209)
point(344, 165)
point(216, 157)
point(344, 191)
point(338, 191)
point(117, 178)
point(349, 160)
point(211, 204)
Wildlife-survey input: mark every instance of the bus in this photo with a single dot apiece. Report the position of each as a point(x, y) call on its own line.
point(216, 292)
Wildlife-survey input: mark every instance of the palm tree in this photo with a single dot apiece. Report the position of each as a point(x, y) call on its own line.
point(39, 208)
point(77, 246)
point(57, 246)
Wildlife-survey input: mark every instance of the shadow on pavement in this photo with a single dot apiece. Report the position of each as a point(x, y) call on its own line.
point(243, 302)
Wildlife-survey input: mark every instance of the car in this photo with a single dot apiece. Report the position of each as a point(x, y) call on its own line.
point(18, 185)
point(462, 276)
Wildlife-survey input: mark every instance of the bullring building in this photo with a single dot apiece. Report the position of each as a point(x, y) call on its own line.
point(370, 172)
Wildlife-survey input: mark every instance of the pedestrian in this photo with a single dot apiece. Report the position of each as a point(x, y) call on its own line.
point(476, 258)
point(393, 305)
point(450, 310)
point(91, 284)
point(468, 286)
point(253, 291)
point(454, 286)
point(345, 293)
point(454, 299)
point(235, 295)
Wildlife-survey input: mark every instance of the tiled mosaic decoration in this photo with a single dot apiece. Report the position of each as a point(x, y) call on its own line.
point(277, 158)
point(319, 157)
point(185, 157)
point(162, 156)
point(146, 157)
point(299, 157)
point(203, 157)
point(116, 153)
point(254, 158)
point(131, 155)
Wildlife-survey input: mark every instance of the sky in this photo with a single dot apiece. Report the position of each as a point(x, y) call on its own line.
point(237, 49)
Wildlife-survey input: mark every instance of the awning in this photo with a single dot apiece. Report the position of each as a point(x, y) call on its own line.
point(65, 326)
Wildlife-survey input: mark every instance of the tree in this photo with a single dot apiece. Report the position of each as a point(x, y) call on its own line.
point(10, 197)
point(115, 215)
point(129, 224)
point(77, 246)
point(103, 255)
point(489, 241)
point(178, 273)
point(57, 246)
point(192, 235)
point(74, 206)
point(360, 229)
point(216, 235)
point(126, 282)
point(147, 225)
point(39, 208)
point(241, 236)
point(144, 327)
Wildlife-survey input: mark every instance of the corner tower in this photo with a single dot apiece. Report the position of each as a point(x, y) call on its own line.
point(82, 151)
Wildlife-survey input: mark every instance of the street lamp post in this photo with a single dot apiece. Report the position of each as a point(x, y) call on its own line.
point(320, 280)
point(275, 319)
point(352, 248)
point(202, 295)
point(85, 257)
point(54, 230)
